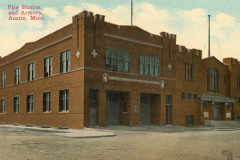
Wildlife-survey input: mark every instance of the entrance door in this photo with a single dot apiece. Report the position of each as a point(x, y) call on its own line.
point(93, 107)
point(168, 109)
point(146, 117)
point(216, 111)
point(113, 107)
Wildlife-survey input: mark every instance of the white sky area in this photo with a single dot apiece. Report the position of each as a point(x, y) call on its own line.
point(191, 26)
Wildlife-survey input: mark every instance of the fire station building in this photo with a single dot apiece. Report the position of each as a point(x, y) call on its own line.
point(95, 73)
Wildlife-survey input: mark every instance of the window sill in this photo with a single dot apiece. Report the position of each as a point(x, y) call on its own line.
point(124, 113)
point(47, 112)
point(29, 112)
point(64, 112)
point(3, 113)
point(183, 99)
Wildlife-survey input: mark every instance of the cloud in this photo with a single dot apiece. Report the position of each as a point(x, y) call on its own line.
point(191, 26)
point(50, 12)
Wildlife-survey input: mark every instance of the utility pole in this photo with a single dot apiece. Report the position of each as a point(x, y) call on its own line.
point(209, 35)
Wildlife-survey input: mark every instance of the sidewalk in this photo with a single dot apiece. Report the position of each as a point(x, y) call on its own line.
point(71, 133)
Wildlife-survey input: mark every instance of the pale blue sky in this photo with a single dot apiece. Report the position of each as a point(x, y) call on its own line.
point(186, 18)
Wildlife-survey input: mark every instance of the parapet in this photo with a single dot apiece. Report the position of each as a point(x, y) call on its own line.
point(88, 15)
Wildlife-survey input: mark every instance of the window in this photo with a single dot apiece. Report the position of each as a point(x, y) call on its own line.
point(31, 71)
point(3, 79)
point(188, 71)
point(208, 79)
point(117, 60)
point(3, 105)
point(63, 100)
point(168, 109)
point(189, 96)
point(229, 106)
point(65, 62)
point(213, 79)
point(47, 102)
point(30, 103)
point(205, 104)
point(235, 100)
point(125, 107)
point(149, 65)
point(48, 67)
point(195, 97)
point(183, 96)
point(16, 104)
point(238, 79)
point(17, 75)
point(239, 100)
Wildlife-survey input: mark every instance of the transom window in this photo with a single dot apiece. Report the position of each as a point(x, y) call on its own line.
point(47, 102)
point(149, 65)
point(16, 104)
point(30, 103)
point(117, 60)
point(48, 66)
point(17, 75)
point(3, 79)
point(31, 71)
point(64, 100)
point(65, 61)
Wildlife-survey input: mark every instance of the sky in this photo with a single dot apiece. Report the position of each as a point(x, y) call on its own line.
point(186, 18)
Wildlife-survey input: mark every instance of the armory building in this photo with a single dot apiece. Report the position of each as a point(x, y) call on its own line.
point(95, 73)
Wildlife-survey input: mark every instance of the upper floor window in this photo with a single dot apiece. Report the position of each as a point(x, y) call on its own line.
point(149, 65)
point(47, 102)
point(3, 105)
point(17, 75)
point(189, 96)
point(212, 79)
point(16, 104)
point(238, 79)
point(183, 96)
point(188, 71)
point(65, 61)
point(117, 60)
point(48, 66)
point(3, 79)
point(195, 97)
point(64, 100)
point(30, 103)
point(31, 71)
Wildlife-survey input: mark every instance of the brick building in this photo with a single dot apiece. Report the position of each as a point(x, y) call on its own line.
point(93, 72)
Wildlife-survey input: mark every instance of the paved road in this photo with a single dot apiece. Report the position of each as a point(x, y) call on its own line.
point(180, 143)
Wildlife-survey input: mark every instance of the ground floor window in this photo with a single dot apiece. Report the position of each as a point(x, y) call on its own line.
point(64, 100)
point(47, 102)
point(30, 103)
point(16, 104)
point(3, 105)
point(205, 104)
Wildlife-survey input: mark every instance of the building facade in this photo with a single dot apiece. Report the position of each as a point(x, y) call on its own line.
point(95, 73)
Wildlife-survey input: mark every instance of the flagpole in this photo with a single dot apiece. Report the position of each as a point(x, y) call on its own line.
point(209, 35)
point(131, 12)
